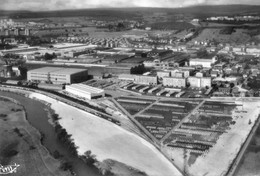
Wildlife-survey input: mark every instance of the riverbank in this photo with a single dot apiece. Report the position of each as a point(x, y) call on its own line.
point(250, 165)
point(20, 143)
point(107, 140)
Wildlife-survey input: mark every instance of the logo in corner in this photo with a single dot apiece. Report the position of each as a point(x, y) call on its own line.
point(8, 169)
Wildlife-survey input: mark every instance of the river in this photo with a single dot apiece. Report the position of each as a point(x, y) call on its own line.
point(37, 117)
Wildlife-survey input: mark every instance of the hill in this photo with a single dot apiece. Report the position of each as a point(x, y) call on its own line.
point(129, 13)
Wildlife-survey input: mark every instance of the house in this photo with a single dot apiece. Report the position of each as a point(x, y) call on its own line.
point(225, 90)
point(239, 91)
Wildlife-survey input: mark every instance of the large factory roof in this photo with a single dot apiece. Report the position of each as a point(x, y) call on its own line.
point(58, 70)
point(201, 60)
point(86, 89)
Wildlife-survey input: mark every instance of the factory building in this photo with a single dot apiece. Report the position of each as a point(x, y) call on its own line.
point(199, 82)
point(206, 63)
point(85, 91)
point(174, 82)
point(147, 80)
point(57, 75)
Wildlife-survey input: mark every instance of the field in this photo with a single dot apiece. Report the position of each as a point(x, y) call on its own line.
point(20, 144)
point(237, 36)
point(161, 117)
point(171, 26)
point(109, 141)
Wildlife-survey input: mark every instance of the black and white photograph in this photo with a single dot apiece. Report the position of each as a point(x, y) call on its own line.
point(130, 87)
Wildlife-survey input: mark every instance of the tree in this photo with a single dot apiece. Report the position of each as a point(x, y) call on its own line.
point(48, 56)
point(89, 158)
point(23, 71)
point(55, 117)
point(56, 154)
point(104, 167)
point(66, 166)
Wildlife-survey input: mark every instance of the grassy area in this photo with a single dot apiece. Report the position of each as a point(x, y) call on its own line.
point(226, 35)
point(20, 144)
point(119, 169)
point(171, 26)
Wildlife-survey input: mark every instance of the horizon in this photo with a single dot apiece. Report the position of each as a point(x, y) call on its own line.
point(60, 5)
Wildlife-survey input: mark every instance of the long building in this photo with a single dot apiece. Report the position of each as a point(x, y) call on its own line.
point(57, 75)
point(84, 91)
point(147, 80)
point(206, 63)
point(174, 82)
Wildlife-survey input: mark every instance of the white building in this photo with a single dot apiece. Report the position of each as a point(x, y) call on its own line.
point(253, 50)
point(174, 82)
point(84, 91)
point(194, 81)
point(203, 62)
point(147, 80)
point(199, 82)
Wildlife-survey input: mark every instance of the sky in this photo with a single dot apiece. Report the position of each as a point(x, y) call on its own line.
point(43, 5)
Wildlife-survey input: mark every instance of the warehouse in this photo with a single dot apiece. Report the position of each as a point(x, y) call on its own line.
point(57, 75)
point(84, 91)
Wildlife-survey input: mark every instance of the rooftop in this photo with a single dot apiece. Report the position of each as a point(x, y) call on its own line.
point(58, 70)
point(201, 60)
point(86, 89)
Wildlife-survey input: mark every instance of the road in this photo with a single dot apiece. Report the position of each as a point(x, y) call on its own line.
point(132, 118)
point(183, 120)
point(155, 141)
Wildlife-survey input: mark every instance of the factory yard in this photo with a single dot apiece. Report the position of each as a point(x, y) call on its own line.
point(117, 145)
point(21, 144)
point(157, 116)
